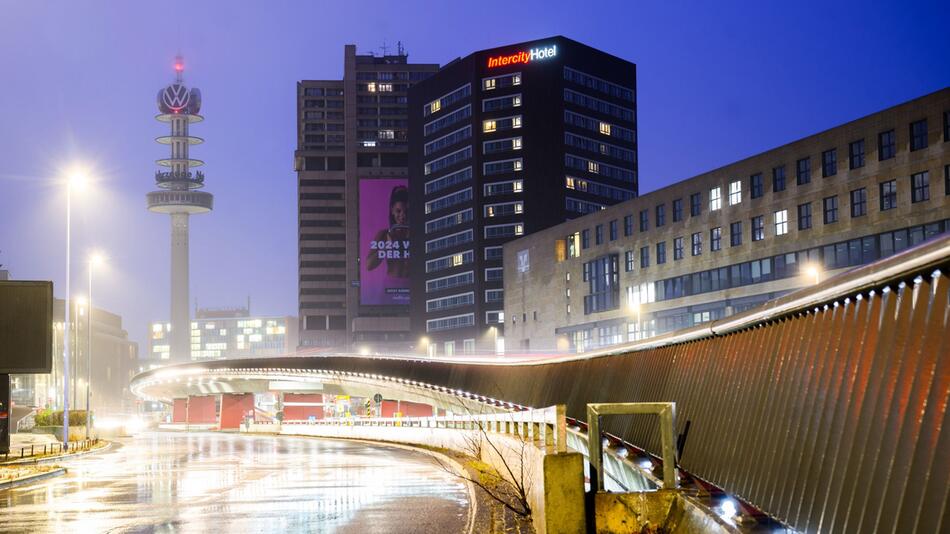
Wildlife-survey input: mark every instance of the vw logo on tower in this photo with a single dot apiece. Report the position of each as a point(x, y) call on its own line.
point(175, 97)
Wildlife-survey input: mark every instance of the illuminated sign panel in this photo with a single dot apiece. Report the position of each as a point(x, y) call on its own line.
point(541, 52)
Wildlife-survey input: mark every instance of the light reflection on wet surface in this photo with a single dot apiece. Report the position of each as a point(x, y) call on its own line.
point(172, 482)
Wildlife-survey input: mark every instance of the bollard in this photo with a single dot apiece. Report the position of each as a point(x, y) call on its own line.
point(32, 453)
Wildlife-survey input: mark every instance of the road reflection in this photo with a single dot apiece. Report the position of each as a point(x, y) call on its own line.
point(209, 482)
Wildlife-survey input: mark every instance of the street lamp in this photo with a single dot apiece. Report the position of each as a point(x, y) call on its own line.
point(94, 259)
point(75, 182)
point(813, 271)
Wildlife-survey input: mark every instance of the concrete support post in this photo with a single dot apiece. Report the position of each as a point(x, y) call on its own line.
point(564, 493)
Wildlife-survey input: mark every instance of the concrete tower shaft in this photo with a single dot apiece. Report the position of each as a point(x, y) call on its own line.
point(179, 197)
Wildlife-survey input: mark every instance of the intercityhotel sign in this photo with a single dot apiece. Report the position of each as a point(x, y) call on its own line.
point(541, 52)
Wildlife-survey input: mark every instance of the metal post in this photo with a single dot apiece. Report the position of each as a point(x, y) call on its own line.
point(5, 413)
point(89, 350)
point(66, 314)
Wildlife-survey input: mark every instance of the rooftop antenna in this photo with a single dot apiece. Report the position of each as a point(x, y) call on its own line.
point(399, 49)
point(385, 49)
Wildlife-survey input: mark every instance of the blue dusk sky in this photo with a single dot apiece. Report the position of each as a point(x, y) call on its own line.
point(717, 82)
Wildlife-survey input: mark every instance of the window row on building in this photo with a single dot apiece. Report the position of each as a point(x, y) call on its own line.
point(919, 184)
point(837, 255)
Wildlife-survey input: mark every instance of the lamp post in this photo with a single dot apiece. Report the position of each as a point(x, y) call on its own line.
point(75, 182)
point(94, 260)
point(813, 271)
point(635, 307)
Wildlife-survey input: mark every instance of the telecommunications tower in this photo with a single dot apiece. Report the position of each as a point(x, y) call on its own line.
point(179, 197)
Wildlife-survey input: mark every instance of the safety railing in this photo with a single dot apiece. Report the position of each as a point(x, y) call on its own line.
point(543, 427)
point(27, 422)
point(49, 449)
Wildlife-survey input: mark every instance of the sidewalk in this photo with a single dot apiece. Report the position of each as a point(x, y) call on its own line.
point(25, 439)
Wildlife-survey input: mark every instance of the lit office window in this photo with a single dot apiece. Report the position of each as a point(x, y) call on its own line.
point(735, 192)
point(781, 222)
point(715, 199)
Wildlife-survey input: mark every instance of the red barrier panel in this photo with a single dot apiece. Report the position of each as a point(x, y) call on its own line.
point(298, 413)
point(408, 409)
point(202, 410)
point(180, 411)
point(234, 406)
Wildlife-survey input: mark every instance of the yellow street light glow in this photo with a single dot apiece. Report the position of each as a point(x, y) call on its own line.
point(77, 180)
point(96, 258)
point(812, 271)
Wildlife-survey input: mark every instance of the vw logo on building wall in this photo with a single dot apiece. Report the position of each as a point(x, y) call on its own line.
point(176, 98)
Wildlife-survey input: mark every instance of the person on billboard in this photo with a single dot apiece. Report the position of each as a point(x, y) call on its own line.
point(392, 244)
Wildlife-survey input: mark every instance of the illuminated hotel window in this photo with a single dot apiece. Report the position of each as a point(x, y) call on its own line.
point(488, 126)
point(209, 326)
point(371, 87)
point(387, 134)
point(593, 166)
point(605, 128)
point(435, 106)
point(385, 87)
point(157, 327)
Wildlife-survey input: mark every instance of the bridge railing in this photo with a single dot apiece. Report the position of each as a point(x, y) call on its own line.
point(545, 428)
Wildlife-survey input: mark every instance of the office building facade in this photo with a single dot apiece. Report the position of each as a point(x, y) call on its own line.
point(352, 178)
point(732, 238)
point(218, 334)
point(113, 358)
point(506, 142)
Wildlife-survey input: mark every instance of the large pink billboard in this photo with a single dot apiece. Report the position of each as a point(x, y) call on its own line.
point(384, 241)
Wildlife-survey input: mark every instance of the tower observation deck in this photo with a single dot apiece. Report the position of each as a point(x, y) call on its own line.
point(178, 195)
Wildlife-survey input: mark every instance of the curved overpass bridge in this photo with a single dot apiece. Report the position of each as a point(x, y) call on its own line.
point(826, 408)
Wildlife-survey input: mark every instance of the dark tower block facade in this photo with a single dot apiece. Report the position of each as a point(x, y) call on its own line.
point(506, 142)
point(353, 204)
point(178, 195)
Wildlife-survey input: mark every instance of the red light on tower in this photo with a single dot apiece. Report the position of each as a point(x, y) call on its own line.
point(179, 67)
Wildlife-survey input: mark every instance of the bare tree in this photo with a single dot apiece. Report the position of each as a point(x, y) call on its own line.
point(515, 499)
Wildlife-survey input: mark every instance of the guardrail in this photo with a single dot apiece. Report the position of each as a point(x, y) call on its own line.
point(26, 422)
point(545, 428)
point(51, 448)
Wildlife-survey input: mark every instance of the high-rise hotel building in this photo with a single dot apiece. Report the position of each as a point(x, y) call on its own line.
point(506, 142)
point(352, 180)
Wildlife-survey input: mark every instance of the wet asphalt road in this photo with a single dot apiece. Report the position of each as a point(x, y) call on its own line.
point(223, 483)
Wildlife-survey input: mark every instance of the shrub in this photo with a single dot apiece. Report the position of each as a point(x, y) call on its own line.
point(51, 418)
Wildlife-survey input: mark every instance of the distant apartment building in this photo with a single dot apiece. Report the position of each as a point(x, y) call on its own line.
point(353, 203)
point(507, 142)
point(218, 334)
point(734, 237)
